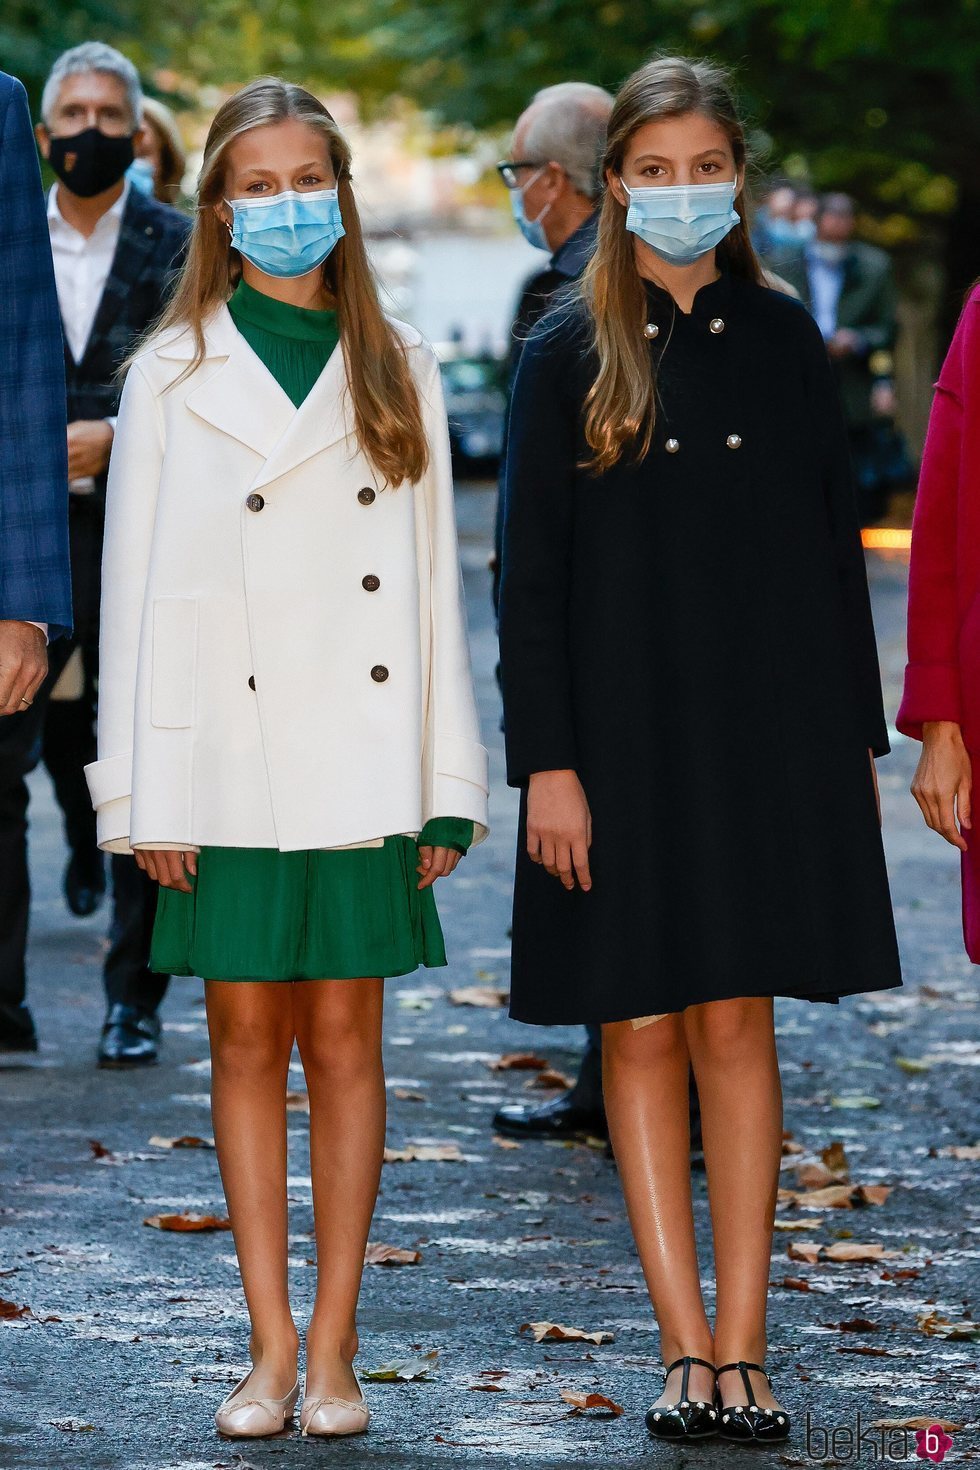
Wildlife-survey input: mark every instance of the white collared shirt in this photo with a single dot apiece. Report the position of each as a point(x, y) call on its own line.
point(81, 268)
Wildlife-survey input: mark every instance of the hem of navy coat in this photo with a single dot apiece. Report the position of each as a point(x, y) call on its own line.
point(650, 1005)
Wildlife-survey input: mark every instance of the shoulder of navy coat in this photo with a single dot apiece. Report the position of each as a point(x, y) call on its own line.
point(35, 583)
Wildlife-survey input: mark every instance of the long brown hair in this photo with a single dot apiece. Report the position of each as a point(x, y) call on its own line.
point(387, 411)
point(621, 404)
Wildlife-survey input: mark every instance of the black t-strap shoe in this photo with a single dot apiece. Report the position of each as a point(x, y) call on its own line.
point(750, 1421)
point(687, 1419)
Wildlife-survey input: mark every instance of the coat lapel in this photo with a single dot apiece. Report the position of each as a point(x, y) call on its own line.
point(243, 399)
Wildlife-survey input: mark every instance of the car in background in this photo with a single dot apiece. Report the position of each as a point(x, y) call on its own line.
point(476, 402)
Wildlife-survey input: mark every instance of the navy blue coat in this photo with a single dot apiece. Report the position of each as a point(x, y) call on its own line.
point(35, 585)
point(692, 634)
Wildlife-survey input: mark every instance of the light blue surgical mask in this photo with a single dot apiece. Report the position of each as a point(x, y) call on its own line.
point(287, 234)
point(531, 229)
point(140, 175)
point(682, 222)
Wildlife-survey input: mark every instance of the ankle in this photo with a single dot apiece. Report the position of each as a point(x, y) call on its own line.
point(326, 1341)
point(673, 1348)
point(279, 1346)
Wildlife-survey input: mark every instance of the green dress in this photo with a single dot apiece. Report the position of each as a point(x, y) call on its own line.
point(261, 914)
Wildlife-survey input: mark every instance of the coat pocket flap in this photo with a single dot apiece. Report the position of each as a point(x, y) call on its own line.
point(110, 778)
point(467, 760)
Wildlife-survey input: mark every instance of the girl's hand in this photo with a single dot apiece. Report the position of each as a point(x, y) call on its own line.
point(436, 862)
point(169, 869)
point(943, 781)
point(559, 827)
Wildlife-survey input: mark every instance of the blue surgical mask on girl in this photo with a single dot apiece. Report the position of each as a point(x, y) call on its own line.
point(287, 234)
point(682, 222)
point(531, 229)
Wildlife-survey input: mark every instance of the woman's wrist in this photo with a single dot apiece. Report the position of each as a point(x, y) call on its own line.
point(936, 731)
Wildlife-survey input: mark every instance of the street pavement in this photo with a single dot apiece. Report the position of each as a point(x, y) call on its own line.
point(117, 1340)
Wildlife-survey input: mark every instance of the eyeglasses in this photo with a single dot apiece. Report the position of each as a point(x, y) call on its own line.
point(509, 168)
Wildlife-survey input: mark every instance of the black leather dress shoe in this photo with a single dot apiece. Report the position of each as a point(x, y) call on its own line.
point(562, 1117)
point(129, 1037)
point(84, 883)
point(17, 1042)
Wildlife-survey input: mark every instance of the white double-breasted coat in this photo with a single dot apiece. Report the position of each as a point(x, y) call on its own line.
point(283, 659)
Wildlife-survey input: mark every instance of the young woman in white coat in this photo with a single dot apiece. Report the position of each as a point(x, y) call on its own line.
point(288, 738)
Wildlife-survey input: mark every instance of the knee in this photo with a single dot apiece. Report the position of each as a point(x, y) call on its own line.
point(727, 1032)
point(625, 1049)
point(345, 1052)
point(244, 1049)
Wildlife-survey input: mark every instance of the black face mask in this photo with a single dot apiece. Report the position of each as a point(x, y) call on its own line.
point(90, 162)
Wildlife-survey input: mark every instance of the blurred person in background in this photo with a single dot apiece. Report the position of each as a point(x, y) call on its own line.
point(116, 252)
point(161, 159)
point(35, 581)
point(774, 227)
point(849, 288)
point(699, 829)
point(805, 206)
point(553, 175)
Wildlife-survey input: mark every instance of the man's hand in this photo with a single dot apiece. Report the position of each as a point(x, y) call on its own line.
point(559, 827)
point(89, 443)
point(943, 781)
point(23, 665)
point(845, 343)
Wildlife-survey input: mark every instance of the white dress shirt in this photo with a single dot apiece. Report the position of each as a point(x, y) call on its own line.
point(81, 268)
point(826, 284)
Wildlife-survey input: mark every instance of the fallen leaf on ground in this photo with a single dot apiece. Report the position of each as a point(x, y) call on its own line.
point(913, 1064)
point(518, 1061)
point(855, 1100)
point(837, 1196)
point(834, 1157)
point(935, 1325)
point(920, 1422)
point(407, 1094)
point(99, 1150)
point(580, 1402)
point(71, 1426)
point(796, 1283)
point(405, 1370)
point(790, 1146)
point(797, 1224)
point(10, 1310)
point(502, 1142)
point(188, 1222)
point(491, 997)
point(815, 1176)
point(855, 1324)
point(187, 1140)
point(390, 1255)
point(841, 1250)
point(961, 1151)
point(550, 1078)
point(556, 1333)
point(486, 1388)
point(297, 1102)
point(425, 1153)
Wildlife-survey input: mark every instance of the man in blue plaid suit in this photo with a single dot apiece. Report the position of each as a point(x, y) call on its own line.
point(116, 253)
point(35, 584)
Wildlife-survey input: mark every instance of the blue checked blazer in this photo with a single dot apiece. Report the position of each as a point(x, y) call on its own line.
point(35, 584)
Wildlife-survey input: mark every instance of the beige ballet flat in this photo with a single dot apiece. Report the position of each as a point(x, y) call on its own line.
point(330, 1417)
point(244, 1418)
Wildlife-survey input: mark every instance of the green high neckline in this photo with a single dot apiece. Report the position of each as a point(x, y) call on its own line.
point(302, 323)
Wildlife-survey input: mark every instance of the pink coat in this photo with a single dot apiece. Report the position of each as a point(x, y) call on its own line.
point(942, 678)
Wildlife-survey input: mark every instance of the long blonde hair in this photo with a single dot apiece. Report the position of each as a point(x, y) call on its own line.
point(621, 404)
point(387, 411)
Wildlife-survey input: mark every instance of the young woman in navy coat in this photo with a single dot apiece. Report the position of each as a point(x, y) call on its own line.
point(692, 708)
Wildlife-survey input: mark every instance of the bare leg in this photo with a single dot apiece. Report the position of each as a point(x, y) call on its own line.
point(733, 1051)
point(338, 1027)
point(645, 1082)
point(251, 1030)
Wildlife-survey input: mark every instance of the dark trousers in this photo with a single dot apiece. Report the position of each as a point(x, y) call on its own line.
point(587, 1091)
point(23, 740)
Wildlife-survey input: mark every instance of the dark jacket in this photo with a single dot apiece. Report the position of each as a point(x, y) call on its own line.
point(148, 256)
point(537, 295)
point(35, 585)
point(867, 306)
point(693, 636)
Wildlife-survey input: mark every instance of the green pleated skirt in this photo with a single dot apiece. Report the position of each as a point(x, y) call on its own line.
point(261, 914)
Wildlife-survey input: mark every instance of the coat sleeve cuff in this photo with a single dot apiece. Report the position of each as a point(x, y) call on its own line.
point(110, 778)
point(461, 782)
point(932, 692)
point(112, 825)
